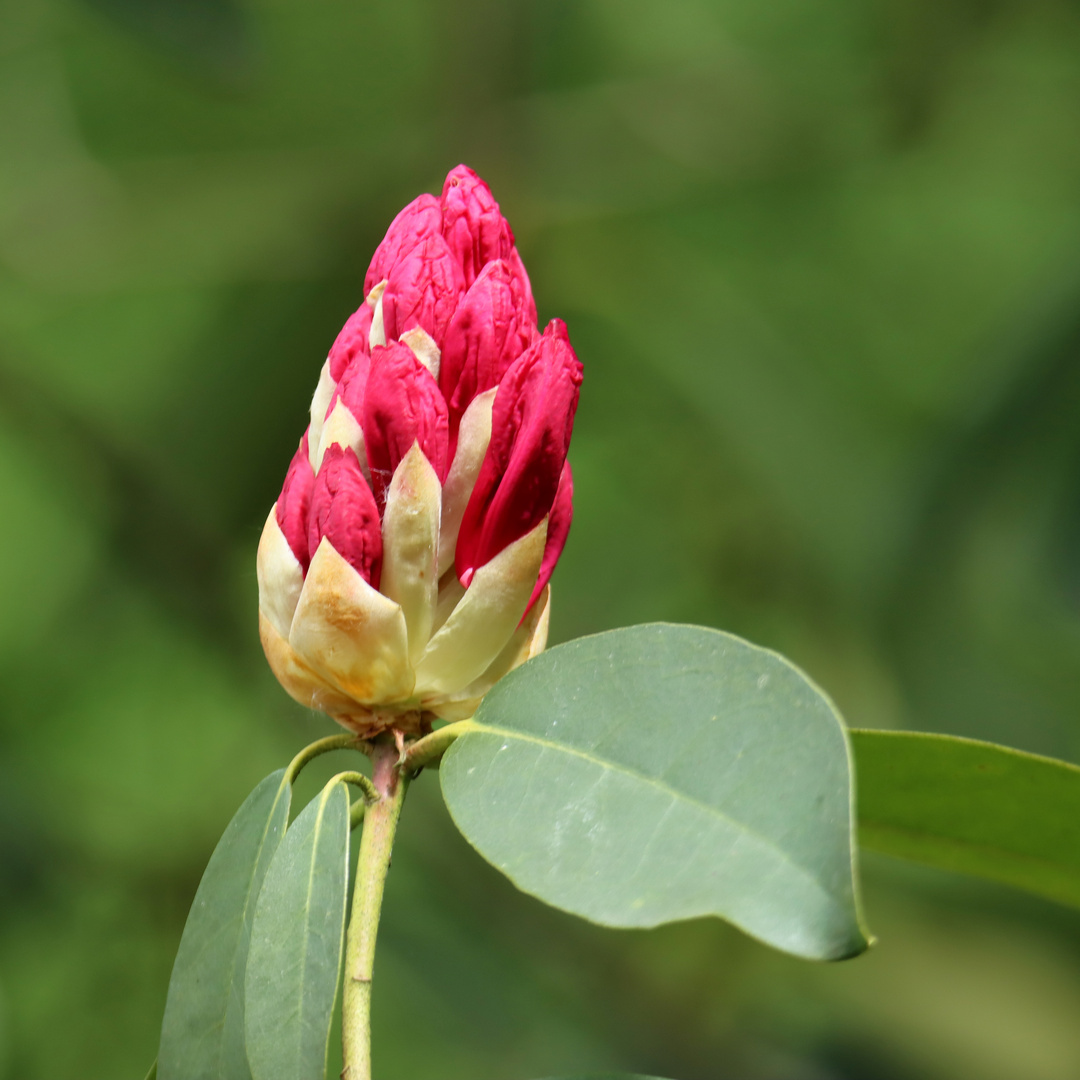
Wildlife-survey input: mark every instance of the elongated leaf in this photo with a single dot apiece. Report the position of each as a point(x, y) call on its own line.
point(296, 944)
point(664, 772)
point(202, 1034)
point(972, 806)
point(609, 1076)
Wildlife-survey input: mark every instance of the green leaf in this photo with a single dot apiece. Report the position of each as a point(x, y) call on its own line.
point(202, 1034)
point(152, 1074)
point(971, 806)
point(665, 772)
point(296, 944)
point(609, 1076)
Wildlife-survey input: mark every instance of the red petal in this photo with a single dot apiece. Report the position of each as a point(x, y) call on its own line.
point(489, 331)
point(293, 503)
point(420, 219)
point(472, 224)
point(423, 290)
point(351, 386)
point(523, 296)
point(352, 341)
point(531, 424)
point(343, 510)
point(562, 513)
point(402, 405)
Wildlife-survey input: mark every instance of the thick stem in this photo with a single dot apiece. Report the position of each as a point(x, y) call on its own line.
point(376, 843)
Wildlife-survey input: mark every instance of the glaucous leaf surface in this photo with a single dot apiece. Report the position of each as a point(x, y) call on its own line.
point(202, 1033)
point(664, 772)
point(296, 944)
point(971, 806)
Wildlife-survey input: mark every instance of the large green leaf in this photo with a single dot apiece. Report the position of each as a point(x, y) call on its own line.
point(664, 772)
point(202, 1033)
point(972, 806)
point(296, 944)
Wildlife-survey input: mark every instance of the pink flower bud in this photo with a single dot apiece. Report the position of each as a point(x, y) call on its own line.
point(405, 565)
point(490, 330)
point(472, 224)
point(423, 289)
point(531, 424)
point(352, 341)
point(419, 220)
point(343, 511)
point(402, 405)
point(294, 502)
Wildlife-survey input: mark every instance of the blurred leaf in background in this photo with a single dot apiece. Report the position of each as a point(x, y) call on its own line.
point(822, 263)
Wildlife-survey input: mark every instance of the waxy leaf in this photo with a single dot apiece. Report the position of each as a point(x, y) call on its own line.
point(202, 1033)
point(664, 772)
point(971, 806)
point(296, 944)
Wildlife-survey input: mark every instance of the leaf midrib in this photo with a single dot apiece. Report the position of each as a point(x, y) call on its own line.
point(219, 1027)
point(316, 831)
point(672, 792)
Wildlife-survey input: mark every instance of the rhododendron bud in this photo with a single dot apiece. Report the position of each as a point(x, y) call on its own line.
point(404, 568)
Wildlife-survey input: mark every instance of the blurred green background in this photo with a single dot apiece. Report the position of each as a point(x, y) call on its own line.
point(821, 259)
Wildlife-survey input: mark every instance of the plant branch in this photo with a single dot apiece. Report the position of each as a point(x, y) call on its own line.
point(428, 750)
point(322, 746)
point(373, 863)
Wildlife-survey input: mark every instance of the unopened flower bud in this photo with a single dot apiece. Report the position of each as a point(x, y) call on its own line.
point(405, 565)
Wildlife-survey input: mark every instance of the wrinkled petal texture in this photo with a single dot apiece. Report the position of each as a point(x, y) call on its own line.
point(343, 511)
point(423, 290)
point(488, 333)
point(438, 439)
point(352, 340)
point(402, 405)
point(294, 503)
point(419, 220)
point(471, 222)
point(531, 424)
point(352, 385)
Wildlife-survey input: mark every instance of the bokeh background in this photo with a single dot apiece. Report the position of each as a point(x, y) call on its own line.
point(821, 259)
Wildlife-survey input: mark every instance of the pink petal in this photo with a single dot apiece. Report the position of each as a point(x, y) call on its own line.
point(562, 513)
point(343, 510)
point(523, 296)
point(423, 290)
point(294, 502)
point(531, 424)
point(420, 219)
point(352, 341)
point(472, 224)
point(352, 385)
point(489, 331)
point(402, 405)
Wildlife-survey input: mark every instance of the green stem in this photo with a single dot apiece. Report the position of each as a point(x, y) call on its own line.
point(429, 749)
point(376, 844)
point(358, 779)
point(321, 746)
